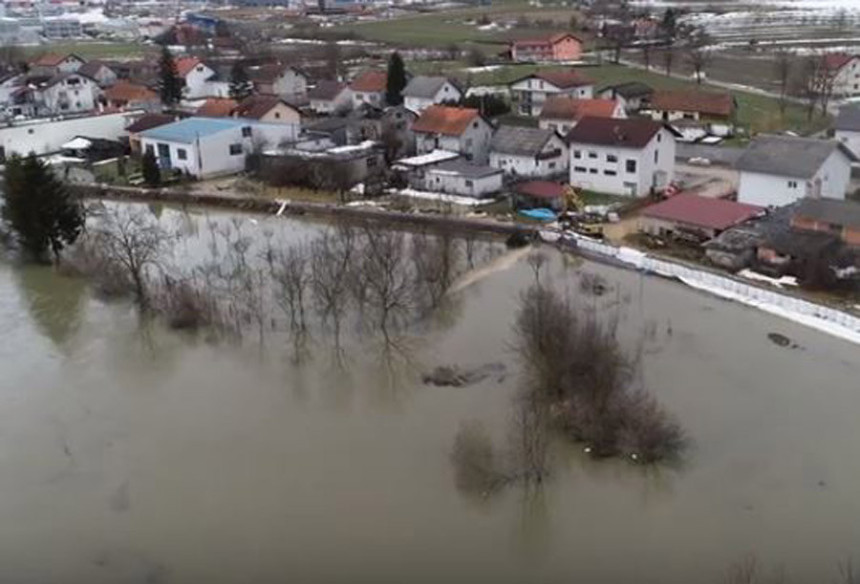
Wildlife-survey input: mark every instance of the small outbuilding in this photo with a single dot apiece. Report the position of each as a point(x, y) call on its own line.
point(694, 218)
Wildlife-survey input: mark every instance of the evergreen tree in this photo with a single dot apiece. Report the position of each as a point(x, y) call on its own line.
point(170, 84)
point(149, 169)
point(40, 211)
point(669, 25)
point(240, 85)
point(396, 80)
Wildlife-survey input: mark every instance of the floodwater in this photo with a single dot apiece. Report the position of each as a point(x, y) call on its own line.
point(153, 457)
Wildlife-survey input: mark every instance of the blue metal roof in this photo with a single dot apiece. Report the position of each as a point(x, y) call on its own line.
point(187, 131)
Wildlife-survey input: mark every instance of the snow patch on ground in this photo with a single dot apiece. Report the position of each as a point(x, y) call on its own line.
point(442, 198)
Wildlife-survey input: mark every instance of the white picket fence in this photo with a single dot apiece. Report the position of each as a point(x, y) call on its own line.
point(823, 318)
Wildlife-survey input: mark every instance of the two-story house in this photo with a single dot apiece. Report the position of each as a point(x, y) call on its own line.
point(53, 64)
point(532, 91)
point(528, 152)
point(100, 72)
point(65, 93)
point(279, 79)
point(200, 79)
point(421, 92)
point(631, 157)
point(557, 47)
point(369, 88)
point(779, 170)
point(132, 96)
point(847, 127)
point(844, 71)
point(633, 95)
point(455, 129)
point(561, 113)
point(267, 108)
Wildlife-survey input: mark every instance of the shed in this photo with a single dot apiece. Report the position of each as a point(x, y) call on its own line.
point(694, 217)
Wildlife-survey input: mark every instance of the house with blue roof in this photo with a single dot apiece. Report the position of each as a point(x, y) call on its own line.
point(207, 147)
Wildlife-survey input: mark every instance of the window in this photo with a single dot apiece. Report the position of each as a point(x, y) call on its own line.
point(592, 154)
point(578, 169)
point(656, 156)
point(277, 115)
point(792, 184)
point(577, 154)
point(611, 158)
point(246, 131)
point(659, 136)
point(150, 149)
point(475, 125)
point(592, 171)
point(181, 154)
point(552, 165)
point(630, 166)
point(552, 127)
point(565, 129)
point(235, 149)
point(610, 173)
point(468, 142)
point(469, 183)
point(371, 162)
point(689, 116)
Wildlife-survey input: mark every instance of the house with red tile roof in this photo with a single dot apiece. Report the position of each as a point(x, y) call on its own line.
point(691, 104)
point(369, 88)
point(455, 129)
point(54, 64)
point(561, 113)
point(631, 157)
point(694, 217)
point(200, 79)
point(844, 69)
point(557, 47)
point(267, 108)
point(530, 92)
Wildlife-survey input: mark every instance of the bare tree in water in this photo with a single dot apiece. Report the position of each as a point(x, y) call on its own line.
point(437, 264)
point(387, 279)
point(331, 258)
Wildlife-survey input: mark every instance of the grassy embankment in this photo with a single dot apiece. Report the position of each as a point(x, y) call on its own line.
point(92, 50)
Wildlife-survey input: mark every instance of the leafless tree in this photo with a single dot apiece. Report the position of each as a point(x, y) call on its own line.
point(437, 264)
point(331, 258)
point(129, 238)
point(387, 278)
point(646, 55)
point(782, 69)
point(668, 55)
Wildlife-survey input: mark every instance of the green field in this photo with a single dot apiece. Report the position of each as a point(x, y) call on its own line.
point(92, 50)
point(440, 29)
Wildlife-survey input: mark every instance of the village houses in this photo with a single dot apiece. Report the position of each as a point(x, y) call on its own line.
point(561, 113)
point(278, 79)
point(557, 47)
point(631, 157)
point(779, 170)
point(456, 129)
point(532, 91)
point(521, 151)
point(421, 92)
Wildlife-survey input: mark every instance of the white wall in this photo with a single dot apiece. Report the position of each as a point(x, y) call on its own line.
point(342, 102)
point(290, 84)
point(196, 84)
point(77, 92)
point(654, 167)
point(474, 143)
point(532, 93)
point(46, 137)
point(446, 93)
point(767, 190)
point(847, 80)
point(373, 98)
point(455, 184)
point(530, 165)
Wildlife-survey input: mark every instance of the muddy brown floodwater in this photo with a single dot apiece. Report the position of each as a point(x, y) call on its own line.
point(150, 456)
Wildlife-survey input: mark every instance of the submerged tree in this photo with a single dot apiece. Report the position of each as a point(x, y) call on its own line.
point(42, 214)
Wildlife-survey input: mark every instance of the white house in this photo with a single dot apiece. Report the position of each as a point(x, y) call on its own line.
point(421, 92)
point(205, 147)
point(100, 72)
point(456, 129)
point(669, 105)
point(45, 136)
point(200, 79)
point(329, 97)
point(847, 127)
point(844, 70)
point(528, 152)
point(561, 113)
point(458, 177)
point(279, 79)
point(532, 91)
point(414, 168)
point(54, 64)
point(369, 88)
point(779, 170)
point(631, 157)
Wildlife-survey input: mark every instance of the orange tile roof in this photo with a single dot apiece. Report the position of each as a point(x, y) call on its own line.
point(184, 65)
point(704, 102)
point(370, 81)
point(125, 91)
point(564, 79)
point(560, 107)
point(52, 59)
point(217, 107)
point(443, 119)
point(257, 106)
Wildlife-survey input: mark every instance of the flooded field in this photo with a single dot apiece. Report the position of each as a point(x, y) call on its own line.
point(134, 454)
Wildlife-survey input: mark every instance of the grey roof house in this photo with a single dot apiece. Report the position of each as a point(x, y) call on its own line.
point(527, 151)
point(458, 177)
point(780, 170)
point(847, 127)
point(423, 91)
